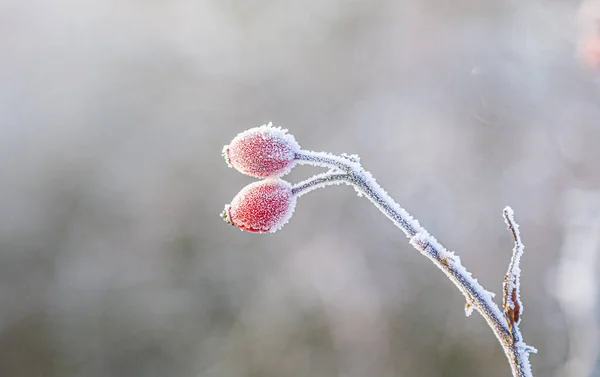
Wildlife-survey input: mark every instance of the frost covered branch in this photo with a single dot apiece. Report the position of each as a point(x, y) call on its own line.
point(513, 307)
point(265, 206)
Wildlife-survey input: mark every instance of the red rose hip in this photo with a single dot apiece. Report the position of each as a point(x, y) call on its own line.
point(262, 152)
point(263, 206)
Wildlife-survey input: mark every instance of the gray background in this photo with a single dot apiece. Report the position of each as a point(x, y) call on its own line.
point(113, 113)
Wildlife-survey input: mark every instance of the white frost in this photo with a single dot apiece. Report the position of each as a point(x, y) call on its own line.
point(514, 270)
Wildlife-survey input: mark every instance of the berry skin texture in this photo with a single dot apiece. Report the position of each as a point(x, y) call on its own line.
point(261, 207)
point(262, 152)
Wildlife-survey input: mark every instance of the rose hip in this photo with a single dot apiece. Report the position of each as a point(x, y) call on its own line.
point(263, 206)
point(262, 152)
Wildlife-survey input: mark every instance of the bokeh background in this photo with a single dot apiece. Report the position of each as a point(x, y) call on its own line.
point(113, 258)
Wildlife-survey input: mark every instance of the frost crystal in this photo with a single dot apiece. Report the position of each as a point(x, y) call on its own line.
point(468, 309)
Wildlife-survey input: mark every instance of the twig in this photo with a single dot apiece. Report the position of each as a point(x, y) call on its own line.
point(505, 328)
point(513, 307)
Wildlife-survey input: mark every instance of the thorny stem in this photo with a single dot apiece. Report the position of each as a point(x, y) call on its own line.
point(349, 171)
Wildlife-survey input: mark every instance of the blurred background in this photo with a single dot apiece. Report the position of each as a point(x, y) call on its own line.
point(113, 113)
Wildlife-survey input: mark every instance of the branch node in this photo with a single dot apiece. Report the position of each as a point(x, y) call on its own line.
point(504, 321)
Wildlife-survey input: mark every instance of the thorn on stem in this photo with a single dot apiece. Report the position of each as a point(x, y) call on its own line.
point(469, 309)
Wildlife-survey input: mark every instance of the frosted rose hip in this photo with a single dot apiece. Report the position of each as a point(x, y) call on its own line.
point(262, 152)
point(263, 206)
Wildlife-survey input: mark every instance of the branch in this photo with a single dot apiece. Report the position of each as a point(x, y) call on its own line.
point(506, 331)
point(265, 206)
point(513, 307)
point(511, 298)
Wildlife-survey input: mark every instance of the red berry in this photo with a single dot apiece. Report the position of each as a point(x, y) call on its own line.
point(262, 152)
point(263, 206)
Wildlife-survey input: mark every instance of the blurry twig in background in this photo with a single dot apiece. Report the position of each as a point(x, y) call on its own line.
point(575, 282)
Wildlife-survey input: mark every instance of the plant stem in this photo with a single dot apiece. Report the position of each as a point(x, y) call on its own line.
point(477, 297)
